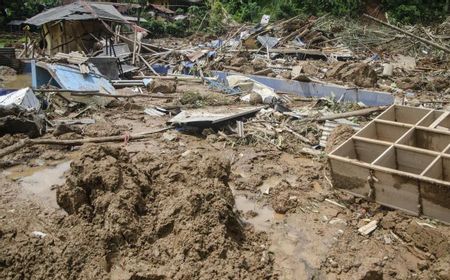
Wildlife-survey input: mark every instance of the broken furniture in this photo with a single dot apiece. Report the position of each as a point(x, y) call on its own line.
point(400, 160)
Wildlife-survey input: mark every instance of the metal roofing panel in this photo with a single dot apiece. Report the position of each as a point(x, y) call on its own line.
point(77, 11)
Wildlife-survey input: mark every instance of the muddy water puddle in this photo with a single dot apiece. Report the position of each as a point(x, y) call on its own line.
point(38, 183)
point(17, 82)
point(263, 214)
point(298, 241)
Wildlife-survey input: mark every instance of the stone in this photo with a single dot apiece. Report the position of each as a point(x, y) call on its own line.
point(163, 86)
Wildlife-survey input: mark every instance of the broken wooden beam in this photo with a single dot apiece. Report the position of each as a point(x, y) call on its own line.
point(123, 95)
point(78, 142)
point(357, 113)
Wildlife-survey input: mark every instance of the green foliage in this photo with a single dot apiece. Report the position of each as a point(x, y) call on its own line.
point(154, 26)
point(405, 11)
point(197, 100)
point(253, 10)
point(22, 9)
point(250, 11)
point(417, 11)
point(215, 18)
point(177, 28)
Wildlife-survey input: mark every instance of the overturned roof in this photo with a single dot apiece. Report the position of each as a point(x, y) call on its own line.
point(80, 10)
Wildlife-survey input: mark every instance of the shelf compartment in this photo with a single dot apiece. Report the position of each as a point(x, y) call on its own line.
point(426, 139)
point(440, 170)
point(405, 160)
point(361, 150)
point(402, 114)
point(444, 124)
point(400, 160)
point(430, 118)
point(436, 196)
point(350, 176)
point(382, 131)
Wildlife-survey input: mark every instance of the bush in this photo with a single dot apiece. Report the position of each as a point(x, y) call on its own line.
point(405, 11)
point(156, 27)
point(416, 11)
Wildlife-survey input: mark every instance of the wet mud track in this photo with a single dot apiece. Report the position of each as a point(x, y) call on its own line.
point(190, 207)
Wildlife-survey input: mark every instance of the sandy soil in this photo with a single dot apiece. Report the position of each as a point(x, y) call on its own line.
point(190, 206)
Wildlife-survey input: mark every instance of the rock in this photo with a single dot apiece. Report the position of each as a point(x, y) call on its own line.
point(361, 74)
point(389, 220)
point(337, 68)
point(255, 99)
point(365, 76)
point(163, 86)
point(64, 128)
point(432, 239)
point(309, 68)
point(169, 136)
point(369, 228)
point(15, 119)
point(238, 61)
point(259, 64)
point(285, 75)
point(246, 69)
point(441, 268)
point(373, 275)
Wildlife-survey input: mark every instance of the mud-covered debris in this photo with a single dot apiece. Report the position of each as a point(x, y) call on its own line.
point(368, 228)
point(61, 129)
point(163, 86)
point(338, 136)
point(15, 119)
point(7, 73)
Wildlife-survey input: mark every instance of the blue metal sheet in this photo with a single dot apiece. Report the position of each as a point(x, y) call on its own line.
point(314, 89)
point(68, 77)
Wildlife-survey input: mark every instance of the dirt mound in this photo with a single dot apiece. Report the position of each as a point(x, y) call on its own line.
point(145, 217)
point(103, 129)
point(338, 136)
point(361, 74)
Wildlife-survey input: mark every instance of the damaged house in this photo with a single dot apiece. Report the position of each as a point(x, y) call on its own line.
point(76, 27)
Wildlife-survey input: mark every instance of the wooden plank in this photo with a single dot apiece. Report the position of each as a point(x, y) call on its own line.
point(403, 114)
point(350, 177)
point(383, 132)
point(397, 192)
point(435, 201)
point(437, 117)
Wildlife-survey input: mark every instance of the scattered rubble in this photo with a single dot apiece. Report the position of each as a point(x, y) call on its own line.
point(266, 153)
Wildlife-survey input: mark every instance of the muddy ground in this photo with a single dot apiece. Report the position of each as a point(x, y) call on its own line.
point(195, 206)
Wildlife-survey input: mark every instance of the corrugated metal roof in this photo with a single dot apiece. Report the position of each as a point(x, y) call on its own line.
point(80, 10)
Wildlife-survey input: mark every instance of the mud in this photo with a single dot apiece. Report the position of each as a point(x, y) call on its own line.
point(124, 222)
point(196, 207)
point(338, 136)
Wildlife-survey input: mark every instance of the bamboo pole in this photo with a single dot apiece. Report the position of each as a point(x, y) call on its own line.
point(445, 49)
point(77, 142)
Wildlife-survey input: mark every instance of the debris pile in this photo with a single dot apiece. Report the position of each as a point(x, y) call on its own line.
point(231, 152)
